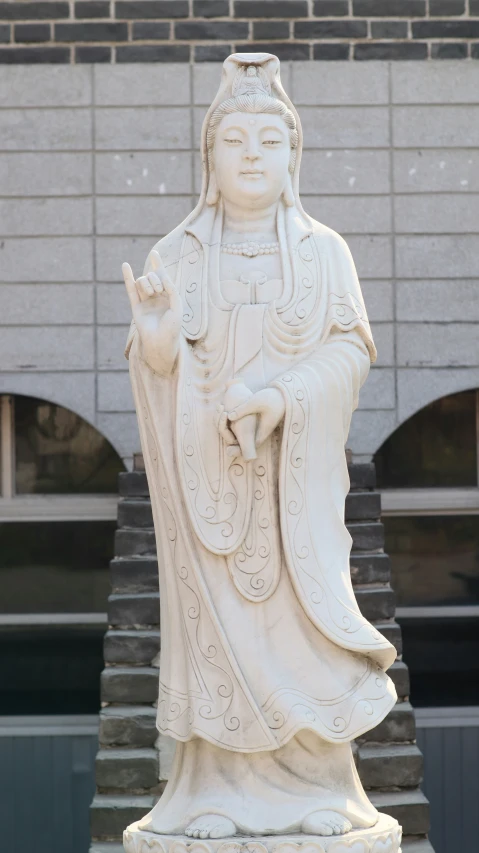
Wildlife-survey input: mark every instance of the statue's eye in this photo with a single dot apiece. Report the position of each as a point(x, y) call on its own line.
point(232, 140)
point(271, 142)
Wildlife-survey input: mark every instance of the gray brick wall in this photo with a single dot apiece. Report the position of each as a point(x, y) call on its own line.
point(122, 31)
point(98, 161)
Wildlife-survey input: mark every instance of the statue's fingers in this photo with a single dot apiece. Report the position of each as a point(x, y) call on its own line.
point(218, 412)
point(249, 407)
point(264, 430)
point(145, 288)
point(156, 263)
point(233, 450)
point(170, 289)
point(130, 285)
point(173, 295)
point(226, 434)
point(154, 259)
point(155, 282)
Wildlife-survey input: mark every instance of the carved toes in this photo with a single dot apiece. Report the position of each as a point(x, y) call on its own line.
point(211, 826)
point(326, 823)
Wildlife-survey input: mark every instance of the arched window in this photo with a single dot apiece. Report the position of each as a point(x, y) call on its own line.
point(58, 505)
point(436, 448)
point(429, 479)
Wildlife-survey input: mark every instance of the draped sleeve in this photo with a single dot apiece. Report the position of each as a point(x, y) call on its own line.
point(345, 309)
point(321, 393)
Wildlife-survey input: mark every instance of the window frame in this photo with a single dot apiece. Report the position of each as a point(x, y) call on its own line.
point(46, 507)
point(419, 501)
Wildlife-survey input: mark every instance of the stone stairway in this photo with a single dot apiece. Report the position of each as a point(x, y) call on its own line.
point(133, 761)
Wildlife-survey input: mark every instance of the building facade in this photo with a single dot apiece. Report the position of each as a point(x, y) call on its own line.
point(101, 160)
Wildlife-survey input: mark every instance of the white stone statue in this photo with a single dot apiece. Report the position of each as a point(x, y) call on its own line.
point(248, 347)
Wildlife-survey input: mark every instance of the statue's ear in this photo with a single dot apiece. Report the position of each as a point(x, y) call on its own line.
point(288, 194)
point(213, 193)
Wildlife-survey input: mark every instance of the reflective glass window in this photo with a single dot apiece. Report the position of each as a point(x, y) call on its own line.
point(434, 559)
point(443, 659)
point(55, 566)
point(437, 447)
point(50, 669)
point(57, 452)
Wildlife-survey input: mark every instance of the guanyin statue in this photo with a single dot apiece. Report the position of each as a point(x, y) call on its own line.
point(248, 347)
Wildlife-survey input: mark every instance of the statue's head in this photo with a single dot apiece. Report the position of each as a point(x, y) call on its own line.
point(251, 144)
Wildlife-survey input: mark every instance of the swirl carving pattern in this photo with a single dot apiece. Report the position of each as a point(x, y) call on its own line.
point(256, 565)
point(219, 510)
point(218, 694)
point(299, 541)
point(191, 275)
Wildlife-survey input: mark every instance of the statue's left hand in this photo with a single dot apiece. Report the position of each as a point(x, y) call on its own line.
point(268, 405)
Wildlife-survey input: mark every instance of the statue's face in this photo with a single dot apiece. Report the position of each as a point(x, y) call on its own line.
point(251, 158)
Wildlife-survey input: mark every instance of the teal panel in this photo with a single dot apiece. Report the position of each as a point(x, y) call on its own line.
point(451, 784)
point(47, 783)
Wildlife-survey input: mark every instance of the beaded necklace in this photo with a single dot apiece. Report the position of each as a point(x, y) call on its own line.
point(250, 249)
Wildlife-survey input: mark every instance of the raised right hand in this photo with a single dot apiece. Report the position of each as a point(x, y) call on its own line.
point(157, 312)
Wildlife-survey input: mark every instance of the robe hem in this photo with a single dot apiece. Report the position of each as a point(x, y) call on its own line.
point(272, 747)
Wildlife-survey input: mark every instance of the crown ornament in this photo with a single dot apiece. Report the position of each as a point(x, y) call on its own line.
point(250, 80)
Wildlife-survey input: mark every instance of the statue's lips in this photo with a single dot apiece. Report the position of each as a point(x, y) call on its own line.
point(252, 174)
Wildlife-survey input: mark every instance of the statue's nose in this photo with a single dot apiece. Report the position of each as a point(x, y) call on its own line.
point(252, 153)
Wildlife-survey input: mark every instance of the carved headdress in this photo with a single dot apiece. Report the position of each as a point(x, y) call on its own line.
point(248, 78)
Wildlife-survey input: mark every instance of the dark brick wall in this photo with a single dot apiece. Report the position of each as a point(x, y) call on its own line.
point(57, 31)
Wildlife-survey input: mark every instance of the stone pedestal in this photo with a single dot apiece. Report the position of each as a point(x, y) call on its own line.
point(384, 837)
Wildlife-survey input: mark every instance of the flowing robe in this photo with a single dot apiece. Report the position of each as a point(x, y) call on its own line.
point(263, 644)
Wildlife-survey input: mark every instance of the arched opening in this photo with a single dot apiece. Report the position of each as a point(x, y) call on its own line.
point(429, 479)
point(57, 521)
point(58, 452)
point(436, 447)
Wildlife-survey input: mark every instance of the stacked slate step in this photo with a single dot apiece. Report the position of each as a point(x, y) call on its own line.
point(133, 762)
point(128, 769)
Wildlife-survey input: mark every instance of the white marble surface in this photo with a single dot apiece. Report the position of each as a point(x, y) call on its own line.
point(248, 347)
point(385, 837)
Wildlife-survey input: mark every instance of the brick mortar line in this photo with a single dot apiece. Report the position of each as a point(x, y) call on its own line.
point(393, 279)
point(210, 22)
point(192, 132)
point(383, 322)
point(346, 234)
point(94, 240)
point(303, 106)
point(445, 19)
point(172, 195)
point(125, 324)
point(349, 235)
point(368, 106)
point(5, 49)
point(448, 148)
point(211, 41)
point(37, 49)
point(116, 283)
point(96, 22)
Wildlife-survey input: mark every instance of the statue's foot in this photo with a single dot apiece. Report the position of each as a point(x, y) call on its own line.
point(211, 826)
point(326, 822)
